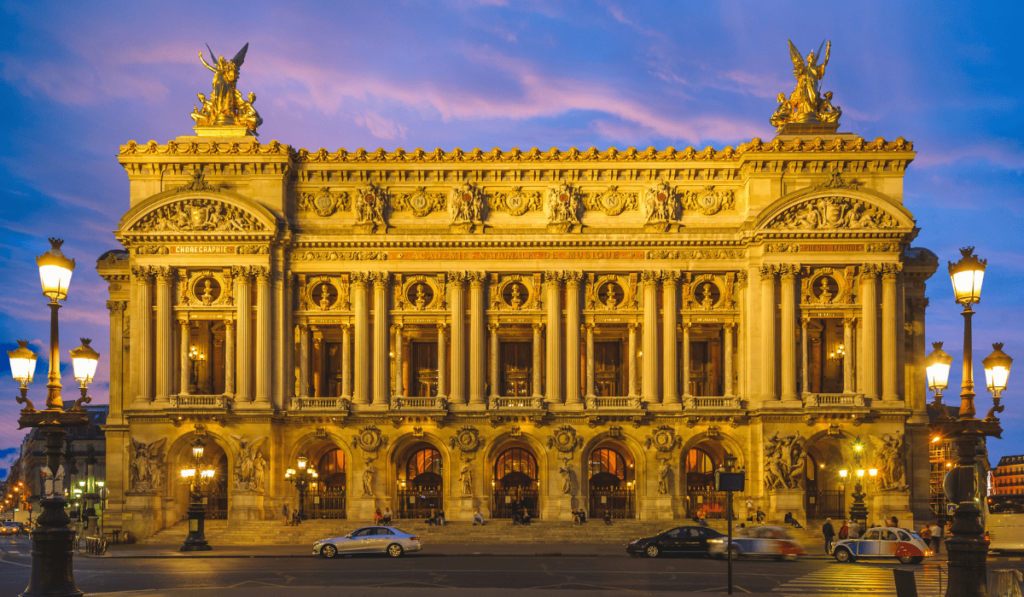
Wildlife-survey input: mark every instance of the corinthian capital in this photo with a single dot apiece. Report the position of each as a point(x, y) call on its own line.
point(768, 272)
point(243, 273)
point(262, 273)
point(380, 279)
point(670, 276)
point(869, 271)
point(143, 273)
point(650, 277)
point(116, 306)
point(553, 277)
point(359, 279)
point(457, 279)
point(164, 274)
point(891, 270)
point(476, 278)
point(573, 278)
point(788, 271)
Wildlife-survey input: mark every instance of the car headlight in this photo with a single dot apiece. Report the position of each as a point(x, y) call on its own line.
point(715, 541)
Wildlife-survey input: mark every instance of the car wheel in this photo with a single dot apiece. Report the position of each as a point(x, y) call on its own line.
point(328, 551)
point(843, 555)
point(395, 550)
point(910, 559)
point(652, 551)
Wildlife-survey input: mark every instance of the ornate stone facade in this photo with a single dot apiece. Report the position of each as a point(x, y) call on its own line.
point(589, 329)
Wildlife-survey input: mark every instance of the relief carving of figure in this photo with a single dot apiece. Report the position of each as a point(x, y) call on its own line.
point(466, 477)
point(565, 474)
point(784, 462)
point(663, 474)
point(891, 462)
point(563, 205)
point(250, 471)
point(368, 473)
point(660, 204)
point(146, 465)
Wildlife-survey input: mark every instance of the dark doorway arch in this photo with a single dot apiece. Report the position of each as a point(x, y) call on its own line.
point(515, 484)
point(421, 491)
point(701, 462)
point(330, 497)
point(611, 483)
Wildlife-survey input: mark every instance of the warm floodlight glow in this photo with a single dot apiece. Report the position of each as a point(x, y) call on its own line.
point(967, 275)
point(55, 271)
point(937, 368)
point(997, 369)
point(23, 363)
point(84, 360)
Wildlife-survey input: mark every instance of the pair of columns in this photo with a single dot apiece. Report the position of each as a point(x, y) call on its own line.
point(868, 345)
point(153, 350)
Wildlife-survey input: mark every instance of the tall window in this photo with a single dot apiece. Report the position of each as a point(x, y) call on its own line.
point(331, 468)
point(700, 468)
point(609, 462)
point(517, 364)
point(424, 369)
point(607, 369)
point(515, 460)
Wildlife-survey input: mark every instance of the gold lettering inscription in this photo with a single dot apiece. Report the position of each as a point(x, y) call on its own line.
point(200, 250)
point(510, 255)
point(829, 248)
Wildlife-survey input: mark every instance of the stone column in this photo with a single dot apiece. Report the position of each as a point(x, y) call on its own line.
point(631, 359)
point(538, 363)
point(144, 344)
point(243, 362)
point(303, 330)
point(346, 361)
point(685, 327)
point(869, 330)
point(361, 392)
point(381, 341)
point(768, 333)
point(186, 363)
point(743, 338)
point(164, 337)
point(727, 383)
point(458, 364)
point(650, 351)
point(848, 356)
point(917, 397)
point(804, 377)
point(890, 362)
point(670, 383)
point(477, 341)
point(116, 309)
point(572, 338)
point(788, 278)
point(554, 352)
point(229, 356)
point(399, 378)
point(442, 362)
point(495, 349)
point(264, 337)
point(590, 360)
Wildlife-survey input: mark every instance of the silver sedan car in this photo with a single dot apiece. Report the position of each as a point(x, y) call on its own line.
point(387, 540)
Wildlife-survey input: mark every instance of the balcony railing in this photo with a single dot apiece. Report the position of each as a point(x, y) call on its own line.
point(617, 402)
point(418, 402)
point(500, 402)
point(833, 399)
point(320, 404)
point(200, 401)
point(713, 402)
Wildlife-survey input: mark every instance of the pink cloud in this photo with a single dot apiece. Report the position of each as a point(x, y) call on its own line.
point(381, 127)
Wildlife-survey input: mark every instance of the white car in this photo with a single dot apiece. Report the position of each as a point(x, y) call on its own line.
point(881, 542)
point(387, 540)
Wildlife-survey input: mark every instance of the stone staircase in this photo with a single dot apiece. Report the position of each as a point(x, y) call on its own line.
point(497, 531)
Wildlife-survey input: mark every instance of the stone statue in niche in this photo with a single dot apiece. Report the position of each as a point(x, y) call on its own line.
point(421, 300)
point(708, 302)
point(325, 298)
point(826, 295)
point(516, 299)
point(207, 296)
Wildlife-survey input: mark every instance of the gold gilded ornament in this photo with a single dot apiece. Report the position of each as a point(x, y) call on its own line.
point(806, 105)
point(226, 112)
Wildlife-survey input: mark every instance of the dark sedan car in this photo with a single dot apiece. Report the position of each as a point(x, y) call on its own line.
point(680, 540)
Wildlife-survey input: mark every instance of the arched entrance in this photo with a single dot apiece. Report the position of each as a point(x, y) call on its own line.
point(421, 483)
point(329, 499)
point(215, 493)
point(700, 463)
point(612, 484)
point(825, 494)
point(515, 484)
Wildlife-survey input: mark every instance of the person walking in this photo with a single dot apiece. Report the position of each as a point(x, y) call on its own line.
point(926, 535)
point(287, 515)
point(936, 537)
point(829, 533)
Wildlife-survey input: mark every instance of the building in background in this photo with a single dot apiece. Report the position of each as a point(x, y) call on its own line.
point(517, 329)
point(1008, 476)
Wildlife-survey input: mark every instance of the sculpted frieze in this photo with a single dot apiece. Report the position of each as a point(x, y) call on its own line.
point(324, 202)
point(562, 205)
point(198, 215)
point(339, 256)
point(695, 254)
point(370, 206)
point(831, 213)
point(709, 201)
point(466, 205)
point(420, 202)
point(516, 202)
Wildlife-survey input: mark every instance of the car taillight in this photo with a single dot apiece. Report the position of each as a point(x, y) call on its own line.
point(987, 536)
point(414, 538)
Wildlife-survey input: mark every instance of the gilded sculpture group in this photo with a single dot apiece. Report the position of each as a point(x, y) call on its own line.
point(226, 106)
point(806, 105)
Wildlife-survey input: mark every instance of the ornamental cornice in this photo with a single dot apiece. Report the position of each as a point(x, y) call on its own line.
point(755, 147)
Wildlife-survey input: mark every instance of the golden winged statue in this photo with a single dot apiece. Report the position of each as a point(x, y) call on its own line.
point(806, 105)
point(226, 106)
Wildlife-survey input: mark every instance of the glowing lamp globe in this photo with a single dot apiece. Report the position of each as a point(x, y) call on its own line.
point(967, 275)
point(303, 461)
point(84, 360)
point(997, 369)
point(23, 363)
point(197, 449)
point(937, 368)
point(55, 271)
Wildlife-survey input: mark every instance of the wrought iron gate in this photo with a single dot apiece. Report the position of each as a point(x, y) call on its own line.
point(713, 503)
point(329, 502)
point(505, 501)
point(830, 503)
point(621, 503)
point(417, 502)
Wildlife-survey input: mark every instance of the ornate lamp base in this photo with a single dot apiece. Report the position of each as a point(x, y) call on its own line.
point(196, 540)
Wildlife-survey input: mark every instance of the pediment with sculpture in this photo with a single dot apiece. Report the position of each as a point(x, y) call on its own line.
point(835, 212)
point(199, 208)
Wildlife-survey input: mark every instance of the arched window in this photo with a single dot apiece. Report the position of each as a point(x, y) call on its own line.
point(699, 461)
point(515, 460)
point(426, 462)
point(609, 462)
point(331, 468)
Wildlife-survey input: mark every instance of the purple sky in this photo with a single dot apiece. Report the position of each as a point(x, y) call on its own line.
point(78, 79)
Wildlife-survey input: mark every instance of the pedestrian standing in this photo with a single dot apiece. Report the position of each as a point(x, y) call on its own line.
point(854, 530)
point(829, 534)
point(287, 515)
point(844, 531)
point(926, 535)
point(936, 537)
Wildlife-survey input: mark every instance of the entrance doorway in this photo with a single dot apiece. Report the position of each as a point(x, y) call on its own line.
point(825, 496)
point(517, 367)
point(420, 493)
point(701, 463)
point(611, 484)
point(329, 500)
point(515, 484)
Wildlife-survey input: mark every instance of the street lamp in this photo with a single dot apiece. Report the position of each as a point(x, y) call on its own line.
point(937, 365)
point(197, 477)
point(997, 372)
point(301, 479)
point(52, 540)
point(967, 548)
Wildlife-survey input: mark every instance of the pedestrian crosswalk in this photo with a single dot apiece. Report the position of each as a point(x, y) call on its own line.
point(866, 579)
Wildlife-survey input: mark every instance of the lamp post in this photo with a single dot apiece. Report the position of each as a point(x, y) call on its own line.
point(52, 540)
point(197, 477)
point(967, 548)
point(301, 478)
point(195, 356)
